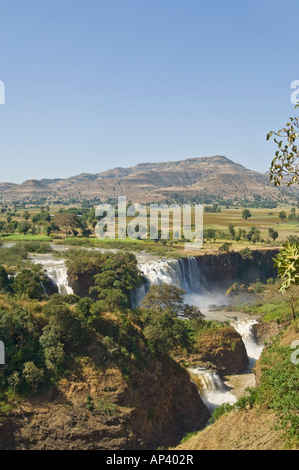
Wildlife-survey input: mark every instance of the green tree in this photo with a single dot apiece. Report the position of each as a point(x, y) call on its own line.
point(67, 221)
point(210, 234)
point(246, 253)
point(119, 273)
point(273, 234)
point(254, 235)
point(23, 227)
point(169, 298)
point(28, 284)
point(4, 280)
point(164, 332)
point(282, 215)
point(232, 230)
point(26, 215)
point(33, 375)
point(246, 214)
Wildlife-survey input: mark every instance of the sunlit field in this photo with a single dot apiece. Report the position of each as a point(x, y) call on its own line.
point(261, 218)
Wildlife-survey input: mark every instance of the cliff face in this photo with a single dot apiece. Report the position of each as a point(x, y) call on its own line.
point(214, 270)
point(221, 270)
point(221, 348)
point(98, 409)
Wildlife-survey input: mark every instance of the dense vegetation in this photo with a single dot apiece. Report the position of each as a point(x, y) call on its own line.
point(45, 335)
point(278, 390)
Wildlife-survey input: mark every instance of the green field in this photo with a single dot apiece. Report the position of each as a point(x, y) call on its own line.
point(11, 219)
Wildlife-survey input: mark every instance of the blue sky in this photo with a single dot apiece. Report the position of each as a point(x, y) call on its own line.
point(92, 85)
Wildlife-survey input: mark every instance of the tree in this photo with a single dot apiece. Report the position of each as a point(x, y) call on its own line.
point(26, 215)
point(67, 221)
point(33, 375)
point(291, 296)
point(232, 230)
point(23, 227)
point(285, 164)
point(246, 253)
point(210, 234)
point(273, 234)
point(4, 280)
point(225, 247)
point(165, 297)
point(164, 332)
point(254, 235)
point(117, 277)
point(246, 214)
point(28, 284)
point(282, 215)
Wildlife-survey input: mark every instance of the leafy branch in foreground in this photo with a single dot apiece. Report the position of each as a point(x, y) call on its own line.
point(286, 161)
point(287, 264)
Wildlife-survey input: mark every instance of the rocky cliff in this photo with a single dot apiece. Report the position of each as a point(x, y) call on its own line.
point(221, 349)
point(97, 408)
point(222, 269)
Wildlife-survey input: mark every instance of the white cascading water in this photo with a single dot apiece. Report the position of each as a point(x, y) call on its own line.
point(212, 389)
point(244, 328)
point(183, 273)
point(56, 270)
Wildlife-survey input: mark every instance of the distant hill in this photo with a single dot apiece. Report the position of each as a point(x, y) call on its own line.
point(211, 178)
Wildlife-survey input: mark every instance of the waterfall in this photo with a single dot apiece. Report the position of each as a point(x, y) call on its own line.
point(183, 273)
point(244, 328)
point(56, 270)
point(214, 392)
point(212, 389)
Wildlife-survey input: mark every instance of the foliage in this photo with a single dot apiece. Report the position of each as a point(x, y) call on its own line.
point(225, 247)
point(165, 332)
point(4, 280)
point(279, 388)
point(273, 233)
point(67, 221)
point(171, 299)
point(246, 214)
point(286, 160)
point(28, 284)
point(246, 253)
point(287, 264)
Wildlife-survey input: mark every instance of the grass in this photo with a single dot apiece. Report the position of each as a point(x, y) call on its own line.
point(25, 238)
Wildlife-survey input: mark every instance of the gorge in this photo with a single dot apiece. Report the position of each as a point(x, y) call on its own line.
point(205, 279)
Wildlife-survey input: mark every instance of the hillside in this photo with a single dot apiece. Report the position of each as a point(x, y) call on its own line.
point(198, 179)
point(268, 418)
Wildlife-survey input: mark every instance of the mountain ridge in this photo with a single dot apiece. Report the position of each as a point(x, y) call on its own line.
point(214, 177)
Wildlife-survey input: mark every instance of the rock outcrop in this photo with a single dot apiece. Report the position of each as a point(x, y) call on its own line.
point(221, 349)
point(99, 409)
